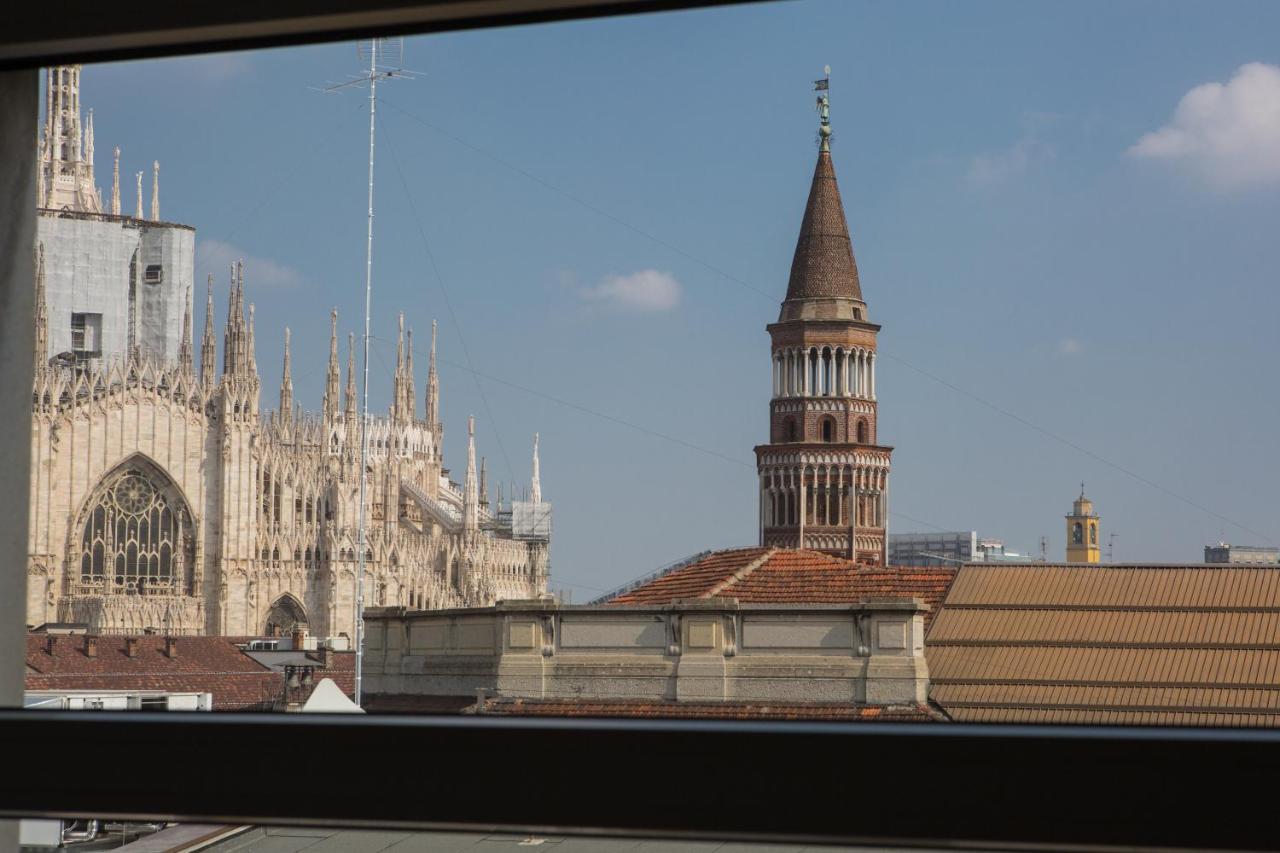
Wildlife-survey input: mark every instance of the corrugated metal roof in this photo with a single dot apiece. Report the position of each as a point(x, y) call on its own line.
point(1138, 645)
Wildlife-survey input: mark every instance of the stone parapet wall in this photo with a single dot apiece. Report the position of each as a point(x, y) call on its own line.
point(708, 650)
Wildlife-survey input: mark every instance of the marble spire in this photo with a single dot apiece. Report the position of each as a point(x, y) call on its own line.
point(155, 191)
point(286, 381)
point(535, 485)
point(42, 312)
point(208, 343)
point(331, 387)
point(470, 493)
point(115, 184)
point(410, 393)
point(433, 384)
point(253, 358)
point(351, 377)
point(186, 352)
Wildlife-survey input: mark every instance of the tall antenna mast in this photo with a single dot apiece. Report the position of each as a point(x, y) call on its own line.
point(391, 52)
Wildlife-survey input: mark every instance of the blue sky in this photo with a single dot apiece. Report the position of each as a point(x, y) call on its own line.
point(601, 215)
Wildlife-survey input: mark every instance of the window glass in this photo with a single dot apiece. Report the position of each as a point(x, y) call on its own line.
point(613, 269)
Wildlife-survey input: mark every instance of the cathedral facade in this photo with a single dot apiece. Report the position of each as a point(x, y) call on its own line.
point(164, 498)
point(824, 475)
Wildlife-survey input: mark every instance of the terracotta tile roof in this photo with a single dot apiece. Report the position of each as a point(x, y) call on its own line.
point(785, 576)
point(632, 708)
point(1137, 645)
point(694, 580)
point(212, 665)
point(823, 264)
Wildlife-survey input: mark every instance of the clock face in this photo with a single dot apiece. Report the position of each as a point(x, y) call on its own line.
point(133, 494)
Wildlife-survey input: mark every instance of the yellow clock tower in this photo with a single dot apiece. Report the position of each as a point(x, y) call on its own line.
point(1082, 532)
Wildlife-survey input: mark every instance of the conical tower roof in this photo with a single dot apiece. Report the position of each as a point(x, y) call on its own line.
point(823, 266)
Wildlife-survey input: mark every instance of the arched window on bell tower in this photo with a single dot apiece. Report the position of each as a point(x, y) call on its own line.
point(828, 430)
point(862, 431)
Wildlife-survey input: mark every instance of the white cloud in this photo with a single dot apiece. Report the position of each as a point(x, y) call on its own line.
point(1069, 346)
point(215, 256)
point(643, 291)
point(997, 167)
point(1227, 135)
point(213, 68)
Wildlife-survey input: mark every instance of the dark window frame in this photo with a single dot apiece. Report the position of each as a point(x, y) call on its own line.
point(923, 783)
point(80, 324)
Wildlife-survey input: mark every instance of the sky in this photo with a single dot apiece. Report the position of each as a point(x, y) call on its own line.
point(1064, 217)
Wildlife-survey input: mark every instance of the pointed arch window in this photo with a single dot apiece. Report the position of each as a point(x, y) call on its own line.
point(136, 538)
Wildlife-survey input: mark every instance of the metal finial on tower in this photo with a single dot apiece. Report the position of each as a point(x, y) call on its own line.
point(823, 87)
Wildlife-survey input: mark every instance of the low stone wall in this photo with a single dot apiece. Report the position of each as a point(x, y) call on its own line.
point(705, 650)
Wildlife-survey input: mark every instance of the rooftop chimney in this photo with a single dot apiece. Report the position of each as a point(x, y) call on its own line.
point(170, 647)
point(299, 638)
point(131, 647)
point(90, 646)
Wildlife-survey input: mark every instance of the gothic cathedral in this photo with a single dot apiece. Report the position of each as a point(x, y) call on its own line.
point(163, 499)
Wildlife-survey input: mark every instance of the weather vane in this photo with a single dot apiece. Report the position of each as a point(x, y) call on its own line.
point(823, 87)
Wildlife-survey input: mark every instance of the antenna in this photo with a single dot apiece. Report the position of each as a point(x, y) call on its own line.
point(1044, 549)
point(1111, 547)
point(390, 52)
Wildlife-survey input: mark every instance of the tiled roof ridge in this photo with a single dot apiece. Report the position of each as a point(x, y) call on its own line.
point(740, 573)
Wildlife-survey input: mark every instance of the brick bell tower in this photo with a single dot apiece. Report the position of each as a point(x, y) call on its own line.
point(824, 478)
